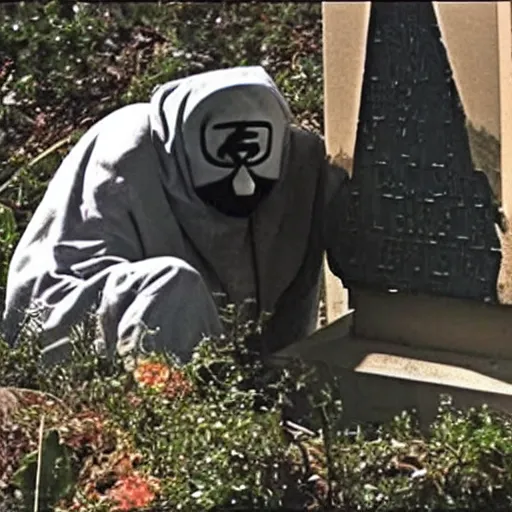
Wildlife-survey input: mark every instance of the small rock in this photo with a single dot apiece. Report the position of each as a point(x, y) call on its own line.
point(9, 404)
point(9, 99)
point(419, 473)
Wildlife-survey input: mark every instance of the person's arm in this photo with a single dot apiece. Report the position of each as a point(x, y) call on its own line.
point(83, 248)
point(79, 231)
point(336, 188)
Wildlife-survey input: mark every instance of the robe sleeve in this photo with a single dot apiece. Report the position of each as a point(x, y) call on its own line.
point(336, 195)
point(81, 229)
point(83, 249)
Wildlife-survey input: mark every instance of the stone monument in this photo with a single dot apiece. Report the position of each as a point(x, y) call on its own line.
point(418, 106)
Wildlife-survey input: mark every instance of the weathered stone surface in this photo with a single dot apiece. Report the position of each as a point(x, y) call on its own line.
point(418, 217)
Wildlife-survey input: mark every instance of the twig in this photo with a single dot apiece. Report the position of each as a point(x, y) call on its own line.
point(39, 460)
point(328, 454)
point(33, 162)
point(453, 450)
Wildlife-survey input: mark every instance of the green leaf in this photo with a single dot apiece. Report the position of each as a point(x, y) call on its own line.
point(56, 477)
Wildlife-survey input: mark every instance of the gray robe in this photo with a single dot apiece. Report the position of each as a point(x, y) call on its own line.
point(121, 228)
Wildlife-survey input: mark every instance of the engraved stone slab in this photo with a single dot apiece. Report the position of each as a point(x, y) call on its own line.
point(422, 212)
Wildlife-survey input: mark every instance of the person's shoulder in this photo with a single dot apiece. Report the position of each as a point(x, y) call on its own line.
point(121, 136)
point(306, 139)
point(309, 147)
point(124, 128)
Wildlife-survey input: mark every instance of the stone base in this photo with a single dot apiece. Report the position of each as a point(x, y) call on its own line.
point(379, 379)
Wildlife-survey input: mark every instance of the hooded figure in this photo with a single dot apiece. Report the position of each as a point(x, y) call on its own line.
point(166, 211)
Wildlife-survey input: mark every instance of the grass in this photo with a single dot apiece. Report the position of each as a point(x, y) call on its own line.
point(215, 434)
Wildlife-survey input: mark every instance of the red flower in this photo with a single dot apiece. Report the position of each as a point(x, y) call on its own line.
point(158, 376)
point(151, 374)
point(131, 492)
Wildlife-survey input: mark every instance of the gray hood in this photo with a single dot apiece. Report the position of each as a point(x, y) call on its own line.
point(183, 109)
point(178, 112)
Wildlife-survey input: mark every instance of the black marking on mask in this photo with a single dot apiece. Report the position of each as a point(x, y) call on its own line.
point(247, 143)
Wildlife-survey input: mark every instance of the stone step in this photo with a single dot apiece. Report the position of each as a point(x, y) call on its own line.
point(380, 379)
point(467, 326)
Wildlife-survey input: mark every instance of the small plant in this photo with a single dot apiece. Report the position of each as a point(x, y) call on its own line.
point(45, 475)
point(218, 433)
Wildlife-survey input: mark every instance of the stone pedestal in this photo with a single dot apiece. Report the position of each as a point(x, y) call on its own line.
point(418, 109)
point(403, 353)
